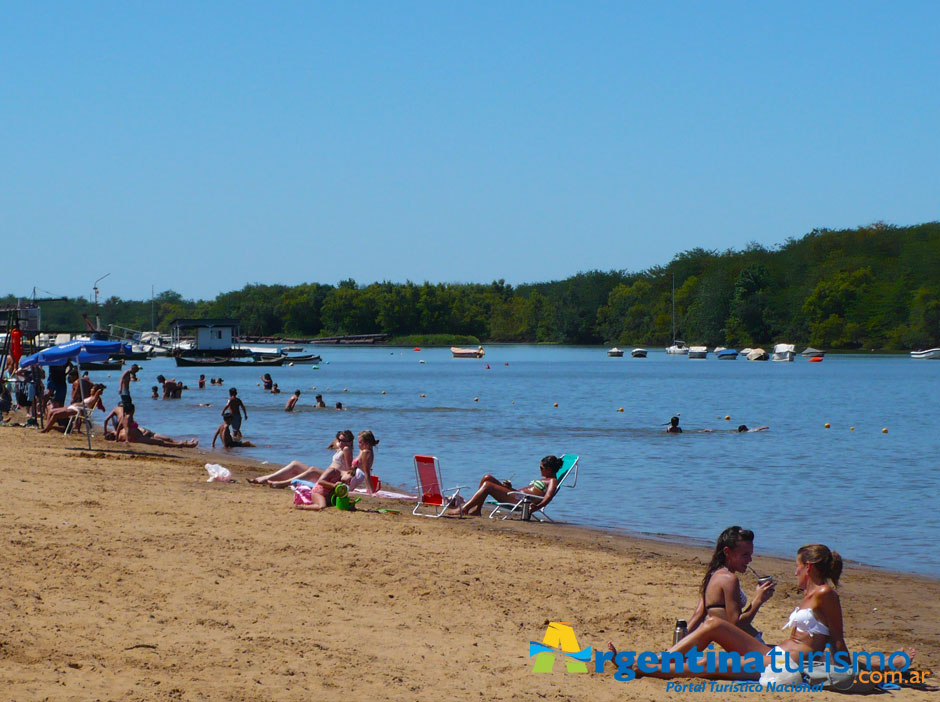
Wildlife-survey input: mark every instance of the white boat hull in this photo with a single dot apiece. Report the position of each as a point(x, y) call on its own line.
point(698, 352)
point(638, 353)
point(933, 354)
point(784, 352)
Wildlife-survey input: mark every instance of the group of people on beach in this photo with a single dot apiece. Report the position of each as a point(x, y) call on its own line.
point(343, 469)
point(724, 616)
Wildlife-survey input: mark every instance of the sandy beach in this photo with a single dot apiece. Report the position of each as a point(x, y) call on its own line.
point(128, 577)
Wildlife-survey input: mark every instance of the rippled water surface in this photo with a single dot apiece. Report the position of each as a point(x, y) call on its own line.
point(871, 495)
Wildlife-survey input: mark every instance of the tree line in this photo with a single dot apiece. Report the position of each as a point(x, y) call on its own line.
point(874, 287)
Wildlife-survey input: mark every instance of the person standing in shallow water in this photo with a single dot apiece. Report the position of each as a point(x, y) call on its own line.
point(674, 427)
point(235, 407)
point(292, 402)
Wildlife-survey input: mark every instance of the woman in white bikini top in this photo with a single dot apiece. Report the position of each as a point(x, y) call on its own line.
point(815, 623)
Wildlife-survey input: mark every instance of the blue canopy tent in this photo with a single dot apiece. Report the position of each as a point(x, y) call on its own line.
point(79, 351)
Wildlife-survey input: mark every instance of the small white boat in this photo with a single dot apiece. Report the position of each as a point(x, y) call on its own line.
point(638, 353)
point(724, 354)
point(457, 352)
point(929, 353)
point(784, 352)
point(698, 352)
point(809, 351)
point(757, 355)
point(615, 352)
point(678, 348)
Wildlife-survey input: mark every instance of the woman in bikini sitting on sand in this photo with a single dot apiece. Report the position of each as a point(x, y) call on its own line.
point(816, 624)
point(295, 470)
point(503, 491)
point(721, 593)
point(362, 464)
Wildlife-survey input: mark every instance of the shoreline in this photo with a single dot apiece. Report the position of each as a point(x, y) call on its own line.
point(129, 576)
point(238, 463)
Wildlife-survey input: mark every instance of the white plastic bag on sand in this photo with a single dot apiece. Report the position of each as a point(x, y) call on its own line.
point(218, 473)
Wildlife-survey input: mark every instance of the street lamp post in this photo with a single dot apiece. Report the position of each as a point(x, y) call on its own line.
point(95, 288)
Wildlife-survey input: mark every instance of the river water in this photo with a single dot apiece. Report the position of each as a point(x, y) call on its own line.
point(873, 496)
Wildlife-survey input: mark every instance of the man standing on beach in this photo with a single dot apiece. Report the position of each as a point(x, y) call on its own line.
point(124, 388)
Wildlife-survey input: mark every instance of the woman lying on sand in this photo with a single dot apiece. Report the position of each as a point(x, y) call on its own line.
point(130, 431)
point(502, 491)
point(323, 489)
point(721, 594)
point(816, 624)
point(295, 470)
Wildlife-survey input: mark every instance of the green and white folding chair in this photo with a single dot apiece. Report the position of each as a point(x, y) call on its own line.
point(522, 504)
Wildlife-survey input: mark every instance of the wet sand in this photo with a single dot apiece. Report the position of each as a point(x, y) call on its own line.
point(128, 576)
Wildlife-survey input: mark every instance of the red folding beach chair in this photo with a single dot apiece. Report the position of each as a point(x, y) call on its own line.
point(430, 494)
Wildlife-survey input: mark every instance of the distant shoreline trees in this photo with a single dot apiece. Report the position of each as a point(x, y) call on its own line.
point(875, 287)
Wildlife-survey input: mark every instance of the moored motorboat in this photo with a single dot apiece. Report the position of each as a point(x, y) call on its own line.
point(698, 352)
point(457, 352)
point(228, 361)
point(928, 353)
point(784, 352)
point(615, 352)
point(678, 348)
point(726, 354)
point(810, 351)
point(638, 353)
point(757, 355)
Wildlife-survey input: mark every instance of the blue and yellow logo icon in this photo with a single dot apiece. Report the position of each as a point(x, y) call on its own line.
point(559, 640)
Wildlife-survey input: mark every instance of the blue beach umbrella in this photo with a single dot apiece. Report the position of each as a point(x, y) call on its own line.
point(79, 351)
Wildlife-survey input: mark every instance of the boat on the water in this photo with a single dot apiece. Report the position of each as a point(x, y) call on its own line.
point(188, 361)
point(457, 352)
point(724, 354)
point(698, 352)
point(615, 352)
point(928, 353)
point(638, 353)
point(784, 352)
point(809, 351)
point(307, 358)
point(678, 348)
point(109, 365)
point(757, 355)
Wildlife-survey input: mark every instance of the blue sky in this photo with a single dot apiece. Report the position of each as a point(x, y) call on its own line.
point(201, 146)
